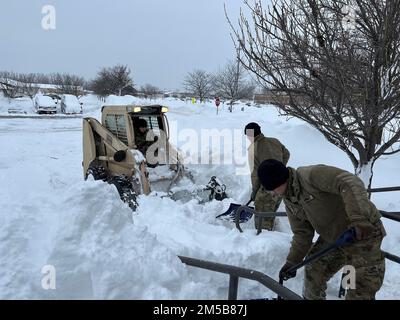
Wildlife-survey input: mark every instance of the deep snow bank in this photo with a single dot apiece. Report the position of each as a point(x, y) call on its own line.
point(101, 250)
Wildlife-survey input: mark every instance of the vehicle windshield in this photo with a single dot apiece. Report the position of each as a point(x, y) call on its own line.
point(153, 123)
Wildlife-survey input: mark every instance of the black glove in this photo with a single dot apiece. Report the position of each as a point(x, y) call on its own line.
point(284, 274)
point(364, 229)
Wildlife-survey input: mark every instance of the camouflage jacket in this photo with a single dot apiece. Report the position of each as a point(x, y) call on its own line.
point(327, 200)
point(261, 149)
point(141, 142)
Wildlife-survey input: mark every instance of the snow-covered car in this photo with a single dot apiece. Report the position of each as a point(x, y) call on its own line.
point(45, 104)
point(70, 104)
point(55, 97)
point(21, 105)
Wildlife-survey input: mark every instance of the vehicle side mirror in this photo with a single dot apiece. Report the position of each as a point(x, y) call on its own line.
point(120, 156)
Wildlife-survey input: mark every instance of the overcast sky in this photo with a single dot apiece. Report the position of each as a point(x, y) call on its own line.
point(160, 40)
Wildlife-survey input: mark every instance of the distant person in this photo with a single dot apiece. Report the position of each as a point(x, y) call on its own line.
point(329, 201)
point(260, 149)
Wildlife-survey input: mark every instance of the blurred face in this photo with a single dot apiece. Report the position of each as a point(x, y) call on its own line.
point(250, 135)
point(142, 129)
point(280, 191)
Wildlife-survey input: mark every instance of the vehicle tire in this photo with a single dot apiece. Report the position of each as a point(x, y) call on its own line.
point(98, 173)
point(125, 190)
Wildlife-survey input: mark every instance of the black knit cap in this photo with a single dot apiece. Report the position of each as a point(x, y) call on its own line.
point(253, 126)
point(272, 174)
point(141, 123)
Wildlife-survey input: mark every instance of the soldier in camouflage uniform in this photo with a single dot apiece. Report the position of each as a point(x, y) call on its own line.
point(141, 136)
point(329, 201)
point(260, 149)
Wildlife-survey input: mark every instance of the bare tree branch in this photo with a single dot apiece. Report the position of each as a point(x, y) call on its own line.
point(336, 62)
point(230, 83)
point(198, 83)
point(115, 80)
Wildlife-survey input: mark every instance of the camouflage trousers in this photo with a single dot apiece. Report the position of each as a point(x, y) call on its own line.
point(365, 256)
point(266, 202)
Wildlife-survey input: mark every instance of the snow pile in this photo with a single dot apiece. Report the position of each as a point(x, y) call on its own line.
point(113, 100)
point(101, 254)
point(100, 249)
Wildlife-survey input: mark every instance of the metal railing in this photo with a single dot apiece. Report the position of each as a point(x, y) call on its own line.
point(236, 272)
point(391, 257)
point(386, 189)
point(391, 215)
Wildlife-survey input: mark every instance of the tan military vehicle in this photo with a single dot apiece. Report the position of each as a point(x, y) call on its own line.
point(110, 153)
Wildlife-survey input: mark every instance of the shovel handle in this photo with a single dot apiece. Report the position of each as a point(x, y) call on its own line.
point(347, 238)
point(281, 283)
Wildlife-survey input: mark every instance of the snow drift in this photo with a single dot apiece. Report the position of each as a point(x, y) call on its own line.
point(102, 250)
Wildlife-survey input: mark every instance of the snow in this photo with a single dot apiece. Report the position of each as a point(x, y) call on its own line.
point(102, 250)
point(71, 103)
point(23, 105)
point(113, 100)
point(34, 85)
point(44, 101)
point(364, 173)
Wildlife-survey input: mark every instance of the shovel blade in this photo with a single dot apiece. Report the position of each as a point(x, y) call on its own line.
point(230, 213)
point(231, 210)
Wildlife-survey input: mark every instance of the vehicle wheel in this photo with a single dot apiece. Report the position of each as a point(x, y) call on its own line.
point(98, 173)
point(129, 197)
point(125, 190)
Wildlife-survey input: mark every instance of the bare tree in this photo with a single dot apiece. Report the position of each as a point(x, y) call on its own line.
point(42, 78)
point(113, 81)
point(68, 83)
point(231, 84)
point(15, 84)
point(121, 77)
point(198, 83)
point(87, 85)
point(101, 85)
point(338, 62)
point(28, 83)
point(149, 90)
point(9, 84)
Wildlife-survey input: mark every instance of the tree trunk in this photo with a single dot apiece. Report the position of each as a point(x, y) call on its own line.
point(365, 172)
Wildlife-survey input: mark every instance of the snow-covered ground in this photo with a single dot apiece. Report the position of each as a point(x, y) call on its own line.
point(101, 250)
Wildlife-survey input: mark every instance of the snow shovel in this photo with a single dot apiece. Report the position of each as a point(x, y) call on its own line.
point(230, 213)
point(244, 213)
point(348, 237)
